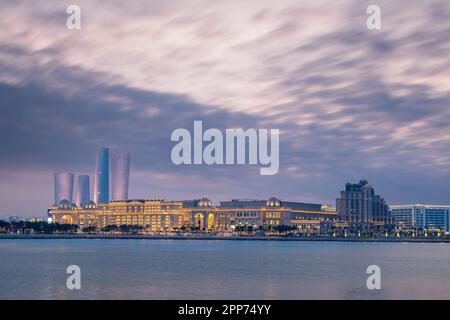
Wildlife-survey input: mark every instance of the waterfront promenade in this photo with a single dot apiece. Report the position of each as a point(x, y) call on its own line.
point(217, 237)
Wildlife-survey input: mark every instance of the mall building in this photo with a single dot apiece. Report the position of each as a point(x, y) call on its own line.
point(157, 215)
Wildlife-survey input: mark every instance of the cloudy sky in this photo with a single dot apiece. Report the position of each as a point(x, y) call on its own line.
point(350, 102)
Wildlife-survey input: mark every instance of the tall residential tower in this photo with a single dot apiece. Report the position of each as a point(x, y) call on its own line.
point(120, 175)
point(83, 191)
point(101, 179)
point(63, 186)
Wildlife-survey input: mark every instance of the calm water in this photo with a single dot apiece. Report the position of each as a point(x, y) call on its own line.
point(175, 269)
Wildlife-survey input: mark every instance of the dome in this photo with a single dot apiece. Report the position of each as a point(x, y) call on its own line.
point(204, 202)
point(66, 205)
point(273, 202)
point(90, 205)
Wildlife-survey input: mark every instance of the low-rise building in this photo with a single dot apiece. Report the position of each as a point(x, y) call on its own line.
point(421, 217)
point(199, 214)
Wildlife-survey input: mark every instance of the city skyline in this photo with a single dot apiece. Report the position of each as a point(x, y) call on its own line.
point(350, 103)
point(114, 180)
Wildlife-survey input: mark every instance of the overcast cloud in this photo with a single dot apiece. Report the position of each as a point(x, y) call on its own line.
point(350, 103)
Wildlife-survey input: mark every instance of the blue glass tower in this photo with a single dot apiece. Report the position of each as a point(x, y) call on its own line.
point(101, 181)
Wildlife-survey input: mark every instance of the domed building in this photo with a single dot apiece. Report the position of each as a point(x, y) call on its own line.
point(66, 205)
point(157, 215)
point(90, 205)
point(67, 211)
point(273, 202)
point(204, 202)
point(202, 216)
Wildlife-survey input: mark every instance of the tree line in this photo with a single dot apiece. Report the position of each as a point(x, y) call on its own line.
point(36, 227)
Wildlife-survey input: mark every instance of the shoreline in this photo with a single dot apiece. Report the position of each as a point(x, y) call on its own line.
point(206, 237)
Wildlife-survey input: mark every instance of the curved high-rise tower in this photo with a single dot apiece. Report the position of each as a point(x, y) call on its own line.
point(63, 186)
point(82, 196)
point(120, 175)
point(101, 179)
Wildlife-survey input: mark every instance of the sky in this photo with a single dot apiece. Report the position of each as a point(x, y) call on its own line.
point(350, 103)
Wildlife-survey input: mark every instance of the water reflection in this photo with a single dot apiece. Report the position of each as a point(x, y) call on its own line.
point(159, 269)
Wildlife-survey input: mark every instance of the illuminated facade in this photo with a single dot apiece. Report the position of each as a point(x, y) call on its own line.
point(157, 215)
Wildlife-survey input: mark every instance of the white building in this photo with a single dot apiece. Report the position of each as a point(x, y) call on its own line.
point(421, 216)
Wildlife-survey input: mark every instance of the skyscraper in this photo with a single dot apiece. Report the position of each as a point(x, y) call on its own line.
point(120, 175)
point(63, 186)
point(83, 192)
point(101, 179)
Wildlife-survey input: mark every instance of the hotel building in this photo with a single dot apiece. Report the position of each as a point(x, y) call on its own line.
point(156, 215)
point(360, 207)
